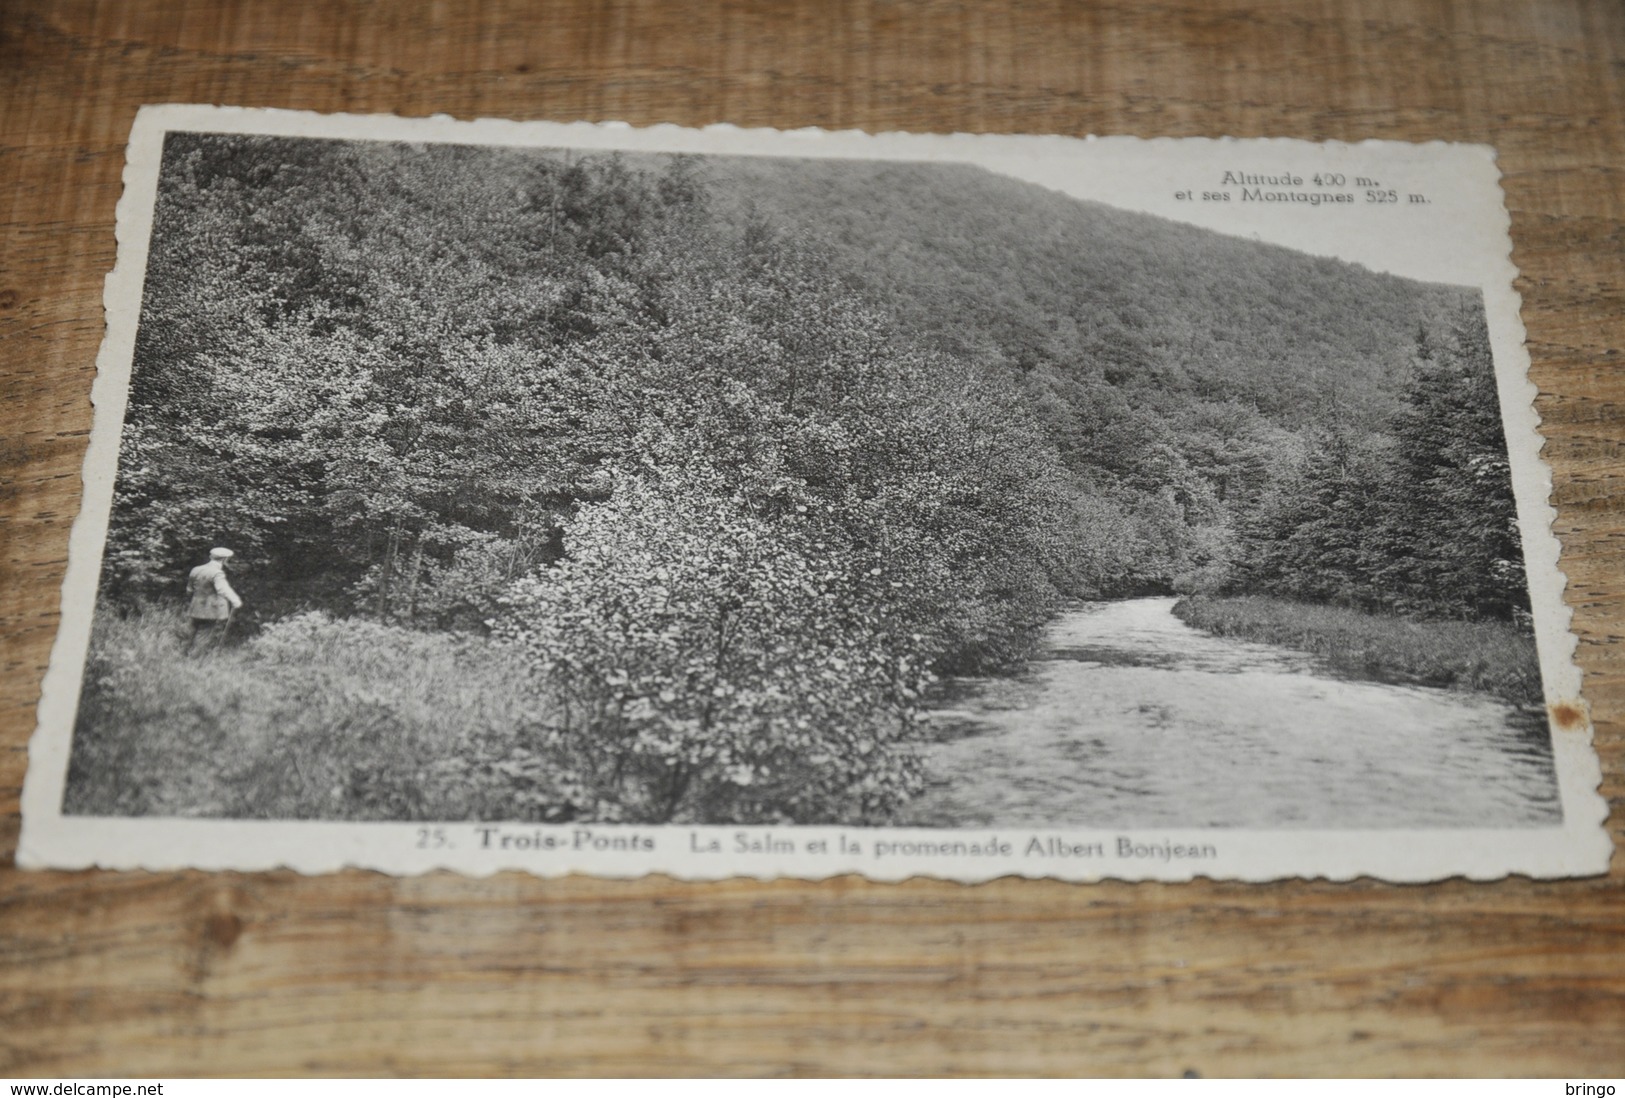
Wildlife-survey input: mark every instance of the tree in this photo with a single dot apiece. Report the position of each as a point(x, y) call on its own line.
point(1451, 521)
point(1420, 521)
point(715, 666)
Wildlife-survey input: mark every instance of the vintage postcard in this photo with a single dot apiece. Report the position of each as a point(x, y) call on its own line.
point(582, 498)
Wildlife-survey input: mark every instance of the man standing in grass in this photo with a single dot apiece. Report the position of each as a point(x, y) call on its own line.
point(213, 601)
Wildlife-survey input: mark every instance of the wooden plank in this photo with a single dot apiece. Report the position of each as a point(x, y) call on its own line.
point(189, 973)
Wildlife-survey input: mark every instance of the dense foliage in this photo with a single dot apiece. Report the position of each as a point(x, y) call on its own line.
point(1211, 399)
point(317, 718)
point(733, 456)
point(1419, 521)
point(724, 665)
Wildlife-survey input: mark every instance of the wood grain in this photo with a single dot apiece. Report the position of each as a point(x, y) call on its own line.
point(188, 973)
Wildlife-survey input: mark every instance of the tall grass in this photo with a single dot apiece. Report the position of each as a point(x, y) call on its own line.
point(314, 718)
point(1490, 657)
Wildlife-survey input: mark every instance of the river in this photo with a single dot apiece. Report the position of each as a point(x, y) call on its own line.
point(1131, 718)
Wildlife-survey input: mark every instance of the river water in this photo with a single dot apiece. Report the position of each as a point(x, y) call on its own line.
point(1134, 719)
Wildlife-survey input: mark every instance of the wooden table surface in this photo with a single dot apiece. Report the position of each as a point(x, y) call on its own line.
point(193, 973)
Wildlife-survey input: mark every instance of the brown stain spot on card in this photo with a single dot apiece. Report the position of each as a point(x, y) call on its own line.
point(1568, 715)
point(8, 298)
point(223, 929)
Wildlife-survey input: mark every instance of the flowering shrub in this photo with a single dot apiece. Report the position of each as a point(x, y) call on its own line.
point(710, 665)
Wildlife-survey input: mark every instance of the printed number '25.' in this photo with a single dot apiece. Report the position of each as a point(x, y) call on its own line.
point(432, 838)
point(1382, 196)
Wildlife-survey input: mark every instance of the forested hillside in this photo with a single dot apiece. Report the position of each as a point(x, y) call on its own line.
point(1207, 392)
point(734, 455)
point(1020, 276)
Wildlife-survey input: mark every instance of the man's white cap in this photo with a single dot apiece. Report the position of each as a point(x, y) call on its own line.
point(221, 554)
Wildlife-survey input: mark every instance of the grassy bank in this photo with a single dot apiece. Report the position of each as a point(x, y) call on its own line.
point(1489, 657)
point(346, 719)
point(314, 718)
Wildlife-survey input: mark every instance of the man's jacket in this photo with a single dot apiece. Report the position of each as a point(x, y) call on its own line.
point(212, 597)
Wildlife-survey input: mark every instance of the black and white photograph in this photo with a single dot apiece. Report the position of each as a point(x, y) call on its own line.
point(577, 494)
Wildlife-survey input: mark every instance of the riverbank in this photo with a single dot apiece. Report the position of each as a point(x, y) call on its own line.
point(329, 718)
point(315, 718)
point(1493, 658)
